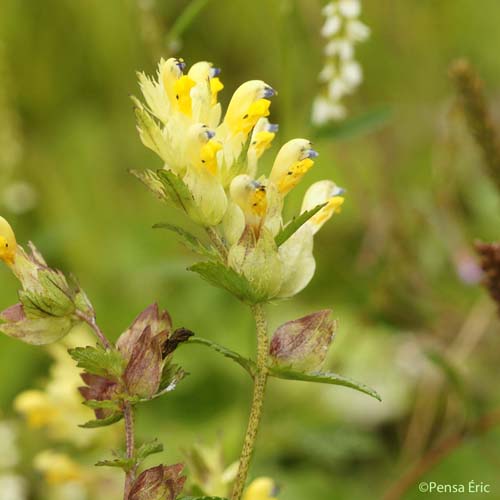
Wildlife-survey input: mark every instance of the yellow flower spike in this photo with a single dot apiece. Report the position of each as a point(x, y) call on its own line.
point(293, 161)
point(262, 488)
point(248, 104)
point(322, 192)
point(208, 155)
point(182, 90)
point(8, 244)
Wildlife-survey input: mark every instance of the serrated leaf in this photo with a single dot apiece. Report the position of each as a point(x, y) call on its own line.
point(147, 449)
point(122, 463)
point(324, 378)
point(104, 422)
point(171, 376)
point(296, 223)
point(219, 275)
point(245, 363)
point(98, 361)
point(189, 240)
point(177, 192)
point(356, 125)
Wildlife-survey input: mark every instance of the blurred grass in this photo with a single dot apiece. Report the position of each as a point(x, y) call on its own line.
point(387, 265)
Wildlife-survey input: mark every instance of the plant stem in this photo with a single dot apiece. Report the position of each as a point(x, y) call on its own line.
point(259, 389)
point(128, 414)
point(91, 321)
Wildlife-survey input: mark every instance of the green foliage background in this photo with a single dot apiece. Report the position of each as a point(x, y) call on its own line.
point(417, 197)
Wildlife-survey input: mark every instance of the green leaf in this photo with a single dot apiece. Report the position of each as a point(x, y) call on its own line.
point(106, 404)
point(98, 361)
point(219, 275)
point(356, 126)
point(246, 363)
point(177, 192)
point(189, 240)
point(323, 378)
point(149, 448)
point(202, 498)
point(172, 374)
point(296, 223)
point(126, 464)
point(103, 422)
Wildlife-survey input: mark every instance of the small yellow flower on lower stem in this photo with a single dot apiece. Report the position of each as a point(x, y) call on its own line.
point(58, 468)
point(8, 244)
point(262, 488)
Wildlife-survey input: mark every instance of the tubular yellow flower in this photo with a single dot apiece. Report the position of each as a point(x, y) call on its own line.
point(262, 488)
point(171, 71)
point(208, 155)
point(182, 90)
point(250, 196)
point(293, 161)
point(323, 192)
point(8, 244)
point(248, 104)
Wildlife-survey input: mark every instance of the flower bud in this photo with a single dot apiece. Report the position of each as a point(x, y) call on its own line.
point(159, 483)
point(302, 344)
point(257, 259)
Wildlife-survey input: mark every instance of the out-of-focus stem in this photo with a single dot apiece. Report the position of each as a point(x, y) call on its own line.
point(259, 390)
point(128, 414)
point(470, 90)
point(438, 453)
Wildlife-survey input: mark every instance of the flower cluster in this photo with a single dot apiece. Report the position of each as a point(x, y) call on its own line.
point(210, 173)
point(341, 74)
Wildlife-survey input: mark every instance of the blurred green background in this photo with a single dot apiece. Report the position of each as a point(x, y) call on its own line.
point(397, 266)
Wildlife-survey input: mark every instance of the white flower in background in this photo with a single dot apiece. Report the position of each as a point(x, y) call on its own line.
point(341, 73)
point(12, 485)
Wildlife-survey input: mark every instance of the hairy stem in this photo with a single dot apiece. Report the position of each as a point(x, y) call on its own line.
point(259, 389)
point(128, 414)
point(91, 321)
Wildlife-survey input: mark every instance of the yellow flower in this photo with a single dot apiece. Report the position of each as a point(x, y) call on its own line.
point(218, 162)
point(262, 488)
point(8, 244)
point(293, 161)
point(58, 468)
